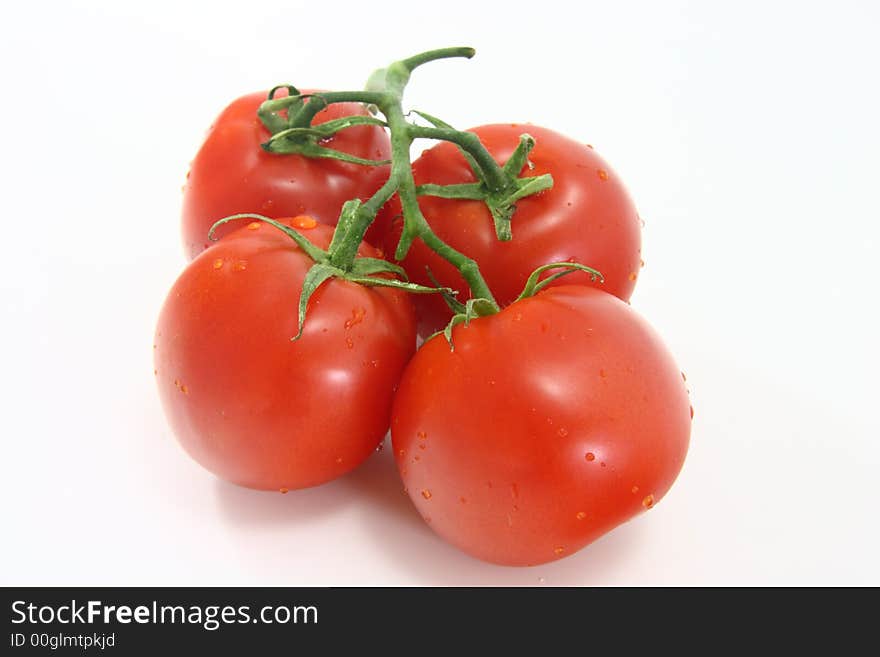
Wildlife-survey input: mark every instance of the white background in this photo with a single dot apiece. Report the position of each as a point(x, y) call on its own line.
point(747, 132)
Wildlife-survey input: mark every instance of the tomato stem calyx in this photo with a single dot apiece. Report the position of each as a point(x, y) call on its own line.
point(499, 187)
point(373, 272)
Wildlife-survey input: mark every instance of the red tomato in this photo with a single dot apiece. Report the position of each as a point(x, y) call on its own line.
point(549, 424)
point(249, 404)
point(587, 216)
point(232, 174)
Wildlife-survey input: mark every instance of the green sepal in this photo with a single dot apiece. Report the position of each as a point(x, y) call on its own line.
point(413, 288)
point(315, 277)
point(347, 216)
point(322, 130)
point(478, 307)
point(286, 146)
point(520, 155)
point(315, 253)
point(534, 285)
point(447, 331)
point(371, 266)
point(503, 207)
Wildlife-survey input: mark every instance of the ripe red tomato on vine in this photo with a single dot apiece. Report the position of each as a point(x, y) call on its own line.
point(255, 407)
point(587, 216)
point(549, 424)
point(232, 173)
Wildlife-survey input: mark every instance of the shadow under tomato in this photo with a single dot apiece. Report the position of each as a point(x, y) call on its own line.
point(373, 483)
point(251, 509)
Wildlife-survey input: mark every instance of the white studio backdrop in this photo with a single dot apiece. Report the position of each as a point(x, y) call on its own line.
point(747, 134)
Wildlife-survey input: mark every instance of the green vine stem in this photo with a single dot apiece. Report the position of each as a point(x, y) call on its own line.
point(289, 120)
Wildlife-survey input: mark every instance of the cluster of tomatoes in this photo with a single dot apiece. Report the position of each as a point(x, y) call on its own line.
point(521, 434)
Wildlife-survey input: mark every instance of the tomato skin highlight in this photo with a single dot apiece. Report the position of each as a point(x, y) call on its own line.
point(550, 423)
point(232, 174)
point(587, 216)
point(249, 404)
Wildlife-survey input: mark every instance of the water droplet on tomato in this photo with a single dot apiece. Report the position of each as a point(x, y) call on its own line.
point(218, 263)
point(339, 459)
point(692, 412)
point(590, 456)
point(283, 491)
point(462, 500)
point(357, 316)
point(421, 435)
point(304, 222)
point(417, 458)
point(559, 549)
point(641, 263)
point(635, 489)
point(426, 493)
point(684, 377)
point(380, 447)
point(422, 446)
point(349, 343)
point(648, 502)
point(602, 463)
point(254, 225)
point(603, 175)
point(239, 265)
point(563, 432)
point(581, 515)
point(633, 276)
point(267, 204)
point(514, 491)
point(401, 453)
point(184, 389)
